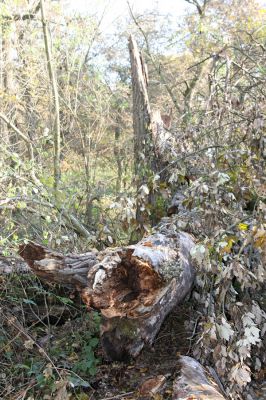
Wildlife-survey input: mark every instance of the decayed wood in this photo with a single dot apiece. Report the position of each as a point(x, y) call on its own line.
point(151, 137)
point(54, 267)
point(143, 145)
point(194, 382)
point(134, 287)
point(153, 144)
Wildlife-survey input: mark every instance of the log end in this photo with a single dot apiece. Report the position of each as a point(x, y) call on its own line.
point(32, 252)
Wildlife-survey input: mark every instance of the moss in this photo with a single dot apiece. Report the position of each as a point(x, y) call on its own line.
point(128, 328)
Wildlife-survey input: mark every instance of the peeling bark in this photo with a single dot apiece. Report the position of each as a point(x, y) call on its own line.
point(194, 382)
point(134, 287)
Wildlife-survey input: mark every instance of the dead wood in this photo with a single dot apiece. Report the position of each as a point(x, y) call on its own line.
point(194, 382)
point(134, 287)
point(70, 270)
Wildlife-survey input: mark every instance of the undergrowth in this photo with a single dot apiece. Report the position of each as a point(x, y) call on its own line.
point(48, 341)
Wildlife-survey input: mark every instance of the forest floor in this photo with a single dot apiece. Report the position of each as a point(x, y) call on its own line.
point(43, 333)
point(46, 333)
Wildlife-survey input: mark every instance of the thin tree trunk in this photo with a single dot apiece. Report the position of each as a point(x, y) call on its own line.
point(7, 81)
point(51, 70)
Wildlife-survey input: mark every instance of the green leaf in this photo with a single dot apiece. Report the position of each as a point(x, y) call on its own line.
point(28, 301)
point(94, 342)
point(21, 205)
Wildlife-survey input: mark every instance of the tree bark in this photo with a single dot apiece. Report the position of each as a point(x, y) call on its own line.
point(134, 287)
point(11, 265)
point(194, 382)
point(118, 155)
point(141, 106)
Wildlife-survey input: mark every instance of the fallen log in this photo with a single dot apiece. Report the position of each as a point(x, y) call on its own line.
point(194, 382)
point(134, 287)
point(51, 266)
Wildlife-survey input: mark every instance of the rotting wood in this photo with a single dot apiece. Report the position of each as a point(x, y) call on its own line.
point(70, 270)
point(134, 287)
point(194, 382)
point(150, 135)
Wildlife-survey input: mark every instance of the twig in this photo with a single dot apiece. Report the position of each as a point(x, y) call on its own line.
point(193, 153)
point(118, 396)
point(11, 319)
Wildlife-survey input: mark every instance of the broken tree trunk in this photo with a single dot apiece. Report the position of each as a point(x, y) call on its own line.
point(134, 287)
point(153, 144)
point(143, 145)
point(70, 270)
point(141, 107)
point(194, 382)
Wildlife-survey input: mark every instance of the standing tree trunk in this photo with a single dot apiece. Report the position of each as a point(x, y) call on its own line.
point(7, 80)
point(57, 134)
point(143, 148)
point(153, 145)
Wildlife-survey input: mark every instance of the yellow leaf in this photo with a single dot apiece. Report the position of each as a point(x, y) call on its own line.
point(228, 247)
point(260, 238)
point(243, 227)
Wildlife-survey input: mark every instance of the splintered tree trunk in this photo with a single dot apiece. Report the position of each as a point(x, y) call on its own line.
point(152, 147)
point(143, 152)
point(134, 287)
point(194, 382)
point(141, 107)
